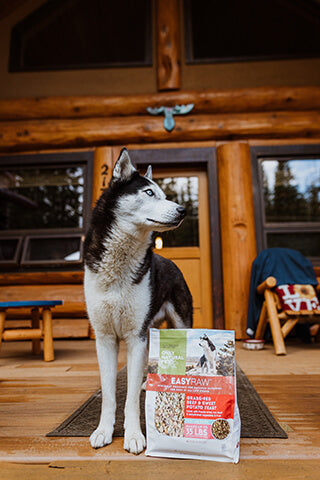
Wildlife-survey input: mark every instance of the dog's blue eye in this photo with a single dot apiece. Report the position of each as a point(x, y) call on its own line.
point(149, 192)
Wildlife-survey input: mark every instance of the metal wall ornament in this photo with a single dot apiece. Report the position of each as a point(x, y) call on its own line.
point(169, 112)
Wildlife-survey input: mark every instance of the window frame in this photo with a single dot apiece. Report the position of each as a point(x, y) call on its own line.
point(279, 153)
point(37, 160)
point(39, 15)
point(14, 261)
point(311, 10)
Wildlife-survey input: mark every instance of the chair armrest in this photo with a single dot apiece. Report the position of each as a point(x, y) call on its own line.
point(270, 282)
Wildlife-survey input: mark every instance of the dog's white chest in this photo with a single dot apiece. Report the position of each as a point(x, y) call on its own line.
point(119, 308)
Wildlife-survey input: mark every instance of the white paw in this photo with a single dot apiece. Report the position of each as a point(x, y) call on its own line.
point(134, 442)
point(101, 437)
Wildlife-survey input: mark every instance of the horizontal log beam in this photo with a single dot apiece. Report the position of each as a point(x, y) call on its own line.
point(77, 133)
point(41, 278)
point(259, 99)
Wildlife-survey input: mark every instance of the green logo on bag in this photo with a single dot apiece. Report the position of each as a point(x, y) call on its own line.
point(173, 349)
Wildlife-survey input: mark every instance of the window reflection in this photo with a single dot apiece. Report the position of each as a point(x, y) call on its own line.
point(308, 243)
point(52, 249)
point(291, 190)
point(185, 191)
point(47, 197)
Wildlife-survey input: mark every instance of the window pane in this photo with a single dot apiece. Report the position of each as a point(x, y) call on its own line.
point(8, 249)
point(67, 34)
point(51, 197)
point(251, 29)
point(305, 242)
point(291, 190)
point(182, 190)
point(62, 249)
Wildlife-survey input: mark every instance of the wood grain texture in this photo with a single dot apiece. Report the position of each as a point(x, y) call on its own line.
point(168, 45)
point(261, 99)
point(102, 171)
point(238, 242)
point(36, 396)
point(157, 469)
point(36, 278)
point(76, 133)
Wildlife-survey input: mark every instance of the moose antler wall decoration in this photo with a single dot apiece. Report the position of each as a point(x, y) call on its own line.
point(169, 112)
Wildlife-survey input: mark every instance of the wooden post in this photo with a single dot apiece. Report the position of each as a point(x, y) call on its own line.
point(288, 326)
point(168, 45)
point(238, 242)
point(262, 323)
point(48, 352)
point(270, 282)
point(35, 321)
point(274, 322)
point(2, 322)
point(102, 170)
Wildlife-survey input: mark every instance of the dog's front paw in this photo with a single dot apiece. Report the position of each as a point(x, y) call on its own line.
point(101, 437)
point(134, 442)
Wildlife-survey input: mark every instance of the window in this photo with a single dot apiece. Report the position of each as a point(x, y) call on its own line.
point(45, 206)
point(251, 30)
point(287, 198)
point(184, 191)
point(75, 34)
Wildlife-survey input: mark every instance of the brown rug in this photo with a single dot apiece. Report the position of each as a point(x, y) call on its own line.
point(256, 419)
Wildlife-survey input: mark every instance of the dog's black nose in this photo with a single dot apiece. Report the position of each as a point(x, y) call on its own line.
point(182, 211)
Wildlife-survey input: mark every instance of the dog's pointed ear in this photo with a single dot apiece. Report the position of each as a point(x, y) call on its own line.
point(149, 173)
point(123, 168)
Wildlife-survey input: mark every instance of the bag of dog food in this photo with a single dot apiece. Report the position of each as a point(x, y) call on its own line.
point(191, 397)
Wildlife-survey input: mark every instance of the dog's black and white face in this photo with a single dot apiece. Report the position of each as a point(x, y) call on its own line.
point(141, 202)
point(205, 342)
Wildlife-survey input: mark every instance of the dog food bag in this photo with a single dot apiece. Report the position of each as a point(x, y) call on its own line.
point(191, 397)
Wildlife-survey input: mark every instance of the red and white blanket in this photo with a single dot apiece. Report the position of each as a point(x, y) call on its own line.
point(297, 298)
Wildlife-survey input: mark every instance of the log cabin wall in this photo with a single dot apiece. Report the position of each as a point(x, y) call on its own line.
point(232, 121)
point(54, 112)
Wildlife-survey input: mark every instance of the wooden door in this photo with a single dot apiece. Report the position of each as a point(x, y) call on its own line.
point(189, 246)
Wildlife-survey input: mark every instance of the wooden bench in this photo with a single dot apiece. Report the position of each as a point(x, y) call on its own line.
point(69, 317)
point(35, 333)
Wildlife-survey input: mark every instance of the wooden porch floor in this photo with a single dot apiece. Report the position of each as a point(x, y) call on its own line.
point(36, 396)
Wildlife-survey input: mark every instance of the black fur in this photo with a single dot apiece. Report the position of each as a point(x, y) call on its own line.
point(168, 285)
point(103, 217)
point(203, 360)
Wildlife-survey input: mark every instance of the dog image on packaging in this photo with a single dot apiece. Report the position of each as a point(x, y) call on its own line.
point(129, 289)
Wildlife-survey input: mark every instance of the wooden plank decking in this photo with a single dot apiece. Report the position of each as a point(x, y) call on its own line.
point(36, 396)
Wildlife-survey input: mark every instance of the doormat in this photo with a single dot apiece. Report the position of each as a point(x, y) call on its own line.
point(256, 419)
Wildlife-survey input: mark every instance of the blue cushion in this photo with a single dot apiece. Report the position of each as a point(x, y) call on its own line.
point(35, 303)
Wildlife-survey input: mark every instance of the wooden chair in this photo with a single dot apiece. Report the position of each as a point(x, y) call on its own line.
point(281, 322)
point(35, 333)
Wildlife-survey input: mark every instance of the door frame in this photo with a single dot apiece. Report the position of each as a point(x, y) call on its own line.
point(202, 158)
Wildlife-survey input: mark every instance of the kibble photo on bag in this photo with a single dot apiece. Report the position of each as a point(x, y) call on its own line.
point(191, 397)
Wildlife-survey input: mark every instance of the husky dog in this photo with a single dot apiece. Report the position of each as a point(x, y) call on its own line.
point(210, 355)
point(128, 288)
